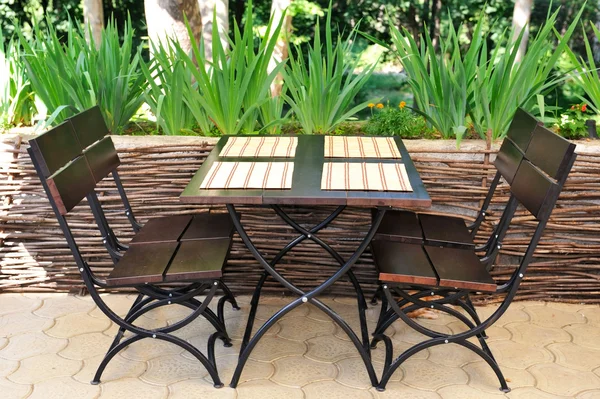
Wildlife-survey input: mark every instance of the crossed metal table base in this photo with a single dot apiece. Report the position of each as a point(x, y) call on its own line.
point(362, 344)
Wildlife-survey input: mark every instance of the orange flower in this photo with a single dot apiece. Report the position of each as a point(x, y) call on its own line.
point(572, 107)
point(371, 105)
point(379, 105)
point(584, 108)
point(402, 104)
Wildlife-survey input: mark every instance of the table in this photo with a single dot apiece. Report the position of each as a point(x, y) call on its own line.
point(306, 190)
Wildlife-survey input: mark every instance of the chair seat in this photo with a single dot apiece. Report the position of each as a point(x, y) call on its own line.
point(431, 266)
point(409, 227)
point(446, 230)
point(175, 248)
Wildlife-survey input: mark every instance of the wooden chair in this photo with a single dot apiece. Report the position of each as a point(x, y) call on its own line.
point(413, 271)
point(178, 249)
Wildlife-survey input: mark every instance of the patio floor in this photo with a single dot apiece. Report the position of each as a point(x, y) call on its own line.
point(51, 344)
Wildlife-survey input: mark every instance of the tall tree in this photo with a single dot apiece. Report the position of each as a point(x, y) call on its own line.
point(93, 18)
point(280, 53)
point(165, 18)
point(521, 16)
point(208, 9)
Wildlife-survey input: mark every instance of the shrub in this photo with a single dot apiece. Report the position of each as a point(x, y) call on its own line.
point(77, 75)
point(17, 105)
point(322, 88)
point(571, 124)
point(397, 121)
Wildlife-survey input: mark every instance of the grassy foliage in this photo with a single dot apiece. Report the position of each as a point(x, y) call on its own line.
point(321, 89)
point(232, 87)
point(17, 105)
point(74, 76)
point(587, 72)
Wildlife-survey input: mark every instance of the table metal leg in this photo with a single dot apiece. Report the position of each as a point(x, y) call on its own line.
point(306, 297)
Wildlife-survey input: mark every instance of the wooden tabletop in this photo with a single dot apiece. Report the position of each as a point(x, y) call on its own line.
point(306, 181)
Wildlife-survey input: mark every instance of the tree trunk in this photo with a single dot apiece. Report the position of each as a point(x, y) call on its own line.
point(164, 19)
point(93, 18)
point(521, 15)
point(207, 9)
point(596, 39)
point(434, 28)
point(280, 53)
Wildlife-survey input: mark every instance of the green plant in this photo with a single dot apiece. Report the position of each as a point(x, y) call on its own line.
point(501, 84)
point(77, 75)
point(17, 105)
point(168, 79)
point(397, 121)
point(232, 87)
point(572, 122)
point(587, 72)
point(322, 88)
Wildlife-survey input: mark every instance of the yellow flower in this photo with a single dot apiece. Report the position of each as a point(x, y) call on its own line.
point(402, 104)
point(371, 105)
point(380, 105)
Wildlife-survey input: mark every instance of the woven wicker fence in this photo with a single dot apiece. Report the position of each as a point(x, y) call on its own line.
point(34, 254)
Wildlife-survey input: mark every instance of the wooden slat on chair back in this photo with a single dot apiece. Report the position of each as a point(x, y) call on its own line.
point(71, 184)
point(55, 148)
point(102, 158)
point(543, 171)
point(89, 126)
point(515, 144)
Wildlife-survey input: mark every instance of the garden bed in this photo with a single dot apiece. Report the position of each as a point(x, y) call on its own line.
point(155, 170)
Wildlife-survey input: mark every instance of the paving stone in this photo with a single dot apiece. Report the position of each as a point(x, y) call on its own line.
point(274, 347)
point(199, 389)
point(264, 312)
point(148, 348)
point(334, 390)
point(587, 335)
point(165, 370)
point(84, 346)
point(43, 367)
point(576, 357)
point(297, 371)
point(427, 375)
point(482, 377)
point(303, 328)
point(31, 344)
point(253, 370)
point(265, 389)
point(329, 349)
point(466, 392)
point(127, 388)
point(451, 355)
point(592, 314)
point(594, 394)
point(519, 356)
point(8, 367)
point(17, 323)
point(354, 323)
point(563, 381)
point(77, 323)
point(378, 354)
point(3, 342)
point(17, 303)
point(64, 387)
point(399, 390)
point(118, 303)
point(547, 316)
point(117, 368)
point(514, 313)
point(63, 305)
point(11, 390)
point(353, 373)
point(535, 335)
point(533, 393)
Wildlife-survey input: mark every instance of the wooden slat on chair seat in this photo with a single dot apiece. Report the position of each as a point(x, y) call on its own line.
point(460, 268)
point(144, 263)
point(400, 226)
point(446, 230)
point(403, 263)
point(196, 260)
point(209, 226)
point(164, 229)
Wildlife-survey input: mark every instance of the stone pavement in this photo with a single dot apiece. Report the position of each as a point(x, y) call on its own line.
point(51, 344)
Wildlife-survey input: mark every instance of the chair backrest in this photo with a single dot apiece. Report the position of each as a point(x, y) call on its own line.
point(543, 172)
point(515, 144)
point(72, 165)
